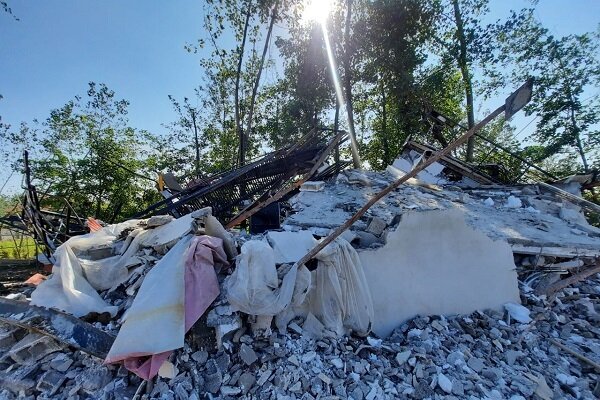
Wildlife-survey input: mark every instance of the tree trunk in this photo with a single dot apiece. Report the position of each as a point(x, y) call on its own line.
point(384, 136)
point(466, 76)
point(336, 127)
point(238, 126)
point(576, 132)
point(259, 73)
point(348, 84)
point(196, 142)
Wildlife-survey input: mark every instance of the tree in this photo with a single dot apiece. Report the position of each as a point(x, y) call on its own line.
point(396, 88)
point(566, 72)
point(187, 124)
point(236, 71)
point(86, 154)
point(459, 41)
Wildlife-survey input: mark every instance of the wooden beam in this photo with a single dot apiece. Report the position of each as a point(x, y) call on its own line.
point(573, 279)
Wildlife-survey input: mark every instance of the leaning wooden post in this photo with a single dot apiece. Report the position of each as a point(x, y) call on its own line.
point(513, 103)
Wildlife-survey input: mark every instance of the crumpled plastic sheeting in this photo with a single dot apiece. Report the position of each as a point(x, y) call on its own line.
point(341, 298)
point(296, 307)
point(174, 295)
point(75, 280)
point(253, 287)
point(67, 289)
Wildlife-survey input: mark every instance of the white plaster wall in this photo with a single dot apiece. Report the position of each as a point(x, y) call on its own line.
point(434, 264)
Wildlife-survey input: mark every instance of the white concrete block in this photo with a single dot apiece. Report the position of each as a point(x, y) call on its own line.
point(434, 264)
point(290, 247)
point(312, 186)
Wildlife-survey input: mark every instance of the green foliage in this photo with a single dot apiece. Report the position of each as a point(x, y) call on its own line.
point(86, 155)
point(566, 71)
point(19, 249)
point(8, 203)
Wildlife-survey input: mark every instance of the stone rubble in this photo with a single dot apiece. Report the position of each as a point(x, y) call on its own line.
point(485, 355)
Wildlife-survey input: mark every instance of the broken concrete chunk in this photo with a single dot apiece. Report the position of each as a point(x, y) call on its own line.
point(246, 381)
point(61, 362)
point(168, 370)
point(32, 348)
point(403, 357)
point(50, 382)
point(444, 383)
point(569, 214)
point(376, 226)
point(513, 202)
point(355, 176)
point(7, 339)
point(247, 354)
point(366, 239)
point(476, 364)
point(93, 378)
point(230, 390)
point(452, 267)
point(200, 357)
point(290, 247)
point(518, 312)
point(312, 186)
point(158, 220)
point(201, 213)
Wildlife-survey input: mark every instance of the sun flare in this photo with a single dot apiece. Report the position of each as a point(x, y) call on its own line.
point(316, 10)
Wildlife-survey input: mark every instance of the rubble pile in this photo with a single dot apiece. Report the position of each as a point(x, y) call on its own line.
point(487, 354)
point(439, 292)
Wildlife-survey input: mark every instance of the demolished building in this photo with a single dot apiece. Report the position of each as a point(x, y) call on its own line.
point(453, 284)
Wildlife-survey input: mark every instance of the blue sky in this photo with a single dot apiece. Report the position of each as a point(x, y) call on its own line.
point(137, 48)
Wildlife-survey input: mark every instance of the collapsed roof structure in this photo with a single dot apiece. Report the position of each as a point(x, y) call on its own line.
point(432, 278)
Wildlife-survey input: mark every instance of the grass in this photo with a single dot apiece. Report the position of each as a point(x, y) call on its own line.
point(22, 249)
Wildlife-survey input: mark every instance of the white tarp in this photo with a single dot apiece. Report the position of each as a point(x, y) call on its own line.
point(341, 298)
point(253, 287)
point(158, 308)
point(75, 280)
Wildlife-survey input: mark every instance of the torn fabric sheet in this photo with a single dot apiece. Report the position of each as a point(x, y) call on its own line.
point(76, 279)
point(341, 298)
point(253, 287)
point(174, 295)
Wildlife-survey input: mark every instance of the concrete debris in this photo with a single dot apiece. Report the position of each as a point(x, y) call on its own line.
point(513, 202)
point(452, 268)
point(518, 313)
point(289, 247)
point(167, 370)
point(437, 292)
point(312, 186)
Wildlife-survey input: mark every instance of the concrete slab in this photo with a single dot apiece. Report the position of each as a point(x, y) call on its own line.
point(434, 264)
point(290, 247)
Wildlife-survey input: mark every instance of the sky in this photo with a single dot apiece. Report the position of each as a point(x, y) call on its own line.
point(136, 47)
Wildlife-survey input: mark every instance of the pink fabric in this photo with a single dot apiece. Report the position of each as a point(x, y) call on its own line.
point(201, 289)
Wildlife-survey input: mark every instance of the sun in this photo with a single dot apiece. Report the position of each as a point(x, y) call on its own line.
point(316, 10)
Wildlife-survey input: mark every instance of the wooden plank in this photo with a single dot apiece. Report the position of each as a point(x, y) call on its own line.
point(573, 279)
point(61, 327)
